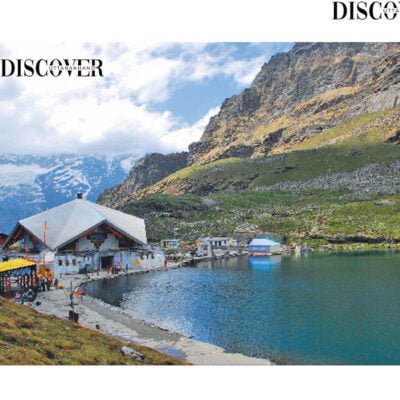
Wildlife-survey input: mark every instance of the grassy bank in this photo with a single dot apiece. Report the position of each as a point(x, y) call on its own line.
point(317, 217)
point(30, 338)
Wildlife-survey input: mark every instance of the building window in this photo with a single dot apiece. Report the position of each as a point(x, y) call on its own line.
point(67, 262)
point(74, 262)
point(60, 263)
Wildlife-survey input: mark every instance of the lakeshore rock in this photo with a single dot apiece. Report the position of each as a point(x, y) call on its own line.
point(128, 351)
point(386, 203)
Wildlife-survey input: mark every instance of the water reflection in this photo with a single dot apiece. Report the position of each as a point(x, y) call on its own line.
point(264, 263)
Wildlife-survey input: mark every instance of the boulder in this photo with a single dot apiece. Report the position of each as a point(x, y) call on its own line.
point(128, 351)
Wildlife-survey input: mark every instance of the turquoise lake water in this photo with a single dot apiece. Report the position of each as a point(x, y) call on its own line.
point(341, 308)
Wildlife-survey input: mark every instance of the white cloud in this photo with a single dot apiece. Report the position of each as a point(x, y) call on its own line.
point(244, 71)
point(111, 114)
point(12, 175)
point(181, 138)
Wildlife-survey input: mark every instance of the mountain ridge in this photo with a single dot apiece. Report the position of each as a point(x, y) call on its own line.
point(299, 94)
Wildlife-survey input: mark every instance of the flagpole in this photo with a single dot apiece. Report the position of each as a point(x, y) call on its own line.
point(44, 242)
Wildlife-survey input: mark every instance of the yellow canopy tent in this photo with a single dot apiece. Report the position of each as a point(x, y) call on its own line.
point(17, 263)
point(23, 269)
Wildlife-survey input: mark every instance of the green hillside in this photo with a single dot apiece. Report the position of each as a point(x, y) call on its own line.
point(316, 217)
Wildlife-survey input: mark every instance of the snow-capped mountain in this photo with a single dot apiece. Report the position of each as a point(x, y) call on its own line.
point(33, 183)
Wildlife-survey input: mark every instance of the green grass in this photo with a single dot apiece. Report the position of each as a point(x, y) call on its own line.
point(199, 169)
point(342, 130)
point(291, 167)
point(30, 338)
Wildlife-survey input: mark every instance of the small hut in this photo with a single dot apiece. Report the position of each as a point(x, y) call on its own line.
point(215, 242)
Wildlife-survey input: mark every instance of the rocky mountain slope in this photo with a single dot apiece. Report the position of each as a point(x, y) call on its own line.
point(149, 170)
point(298, 95)
point(32, 183)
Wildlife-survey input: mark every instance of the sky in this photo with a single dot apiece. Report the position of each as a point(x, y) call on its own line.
point(152, 97)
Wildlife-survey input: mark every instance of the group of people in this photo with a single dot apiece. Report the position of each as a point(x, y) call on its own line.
point(45, 284)
point(30, 293)
point(114, 269)
point(28, 296)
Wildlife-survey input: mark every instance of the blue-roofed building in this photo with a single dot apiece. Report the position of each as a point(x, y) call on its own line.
point(263, 246)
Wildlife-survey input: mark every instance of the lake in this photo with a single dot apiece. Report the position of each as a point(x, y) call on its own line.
point(331, 308)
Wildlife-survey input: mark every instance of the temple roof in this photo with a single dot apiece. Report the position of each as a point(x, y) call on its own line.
point(71, 220)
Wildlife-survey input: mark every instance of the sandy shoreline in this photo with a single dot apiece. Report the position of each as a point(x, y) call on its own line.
point(124, 325)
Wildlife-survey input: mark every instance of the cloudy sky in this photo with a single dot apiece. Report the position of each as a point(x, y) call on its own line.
point(153, 97)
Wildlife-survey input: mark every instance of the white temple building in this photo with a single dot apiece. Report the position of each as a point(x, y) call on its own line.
point(82, 236)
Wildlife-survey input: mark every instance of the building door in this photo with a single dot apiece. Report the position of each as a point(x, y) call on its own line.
point(107, 262)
